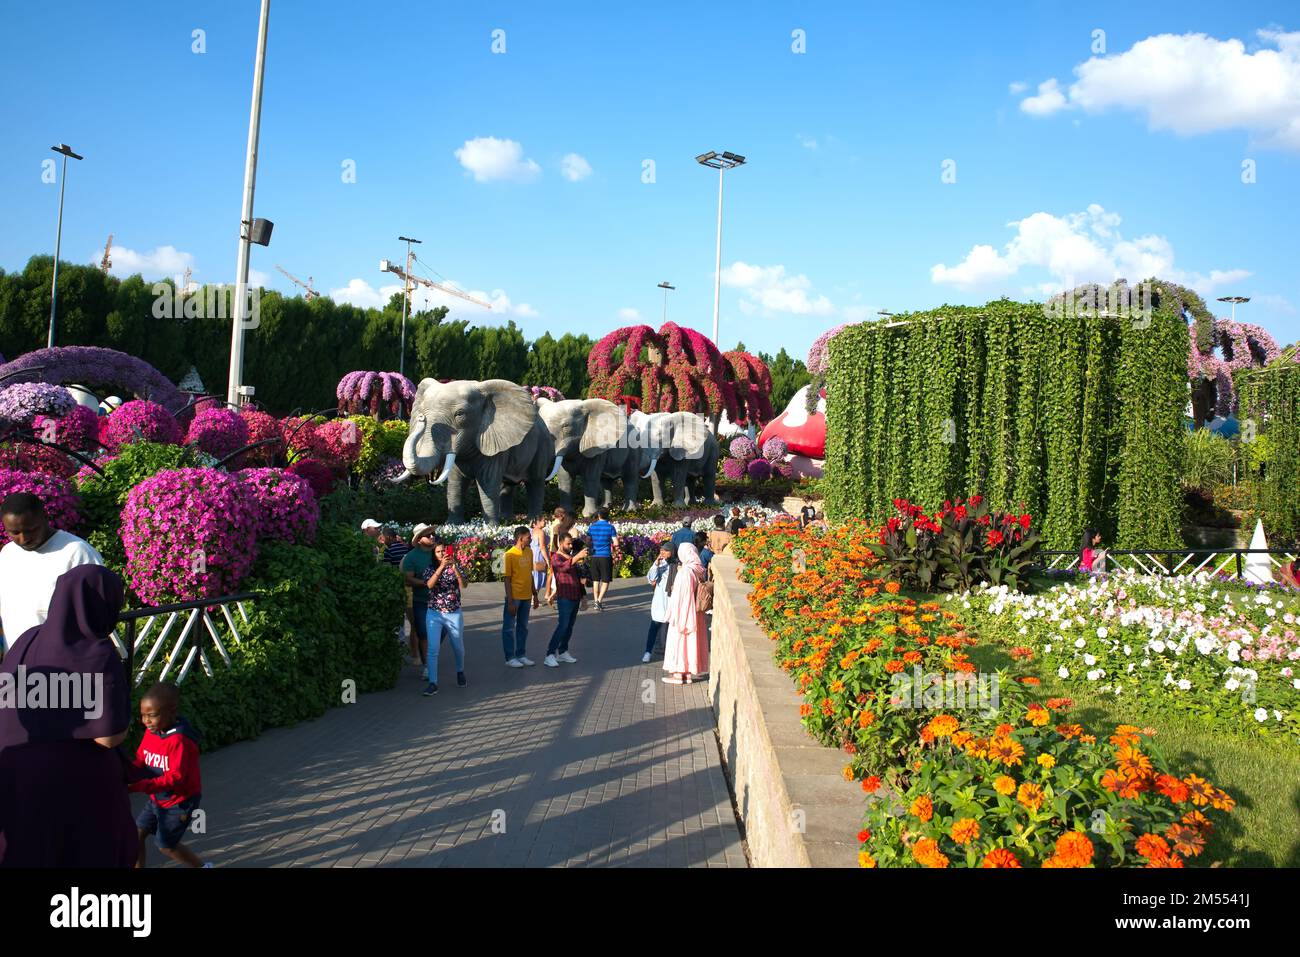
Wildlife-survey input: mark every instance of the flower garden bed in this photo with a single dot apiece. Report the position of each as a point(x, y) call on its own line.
point(954, 775)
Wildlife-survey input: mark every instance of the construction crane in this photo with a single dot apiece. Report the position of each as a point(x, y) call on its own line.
point(311, 293)
point(388, 266)
point(105, 264)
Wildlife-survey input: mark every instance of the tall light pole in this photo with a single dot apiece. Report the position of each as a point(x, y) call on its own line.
point(665, 287)
point(406, 300)
point(66, 151)
point(240, 310)
point(721, 162)
point(1234, 300)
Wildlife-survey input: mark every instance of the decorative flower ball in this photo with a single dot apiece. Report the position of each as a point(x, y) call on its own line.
point(775, 449)
point(733, 469)
point(340, 440)
point(218, 431)
point(55, 493)
point(261, 426)
point(31, 457)
point(77, 430)
point(318, 475)
point(188, 534)
point(286, 505)
point(24, 401)
point(742, 448)
point(760, 470)
point(139, 421)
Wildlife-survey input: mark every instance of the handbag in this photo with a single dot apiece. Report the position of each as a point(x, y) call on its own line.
point(704, 595)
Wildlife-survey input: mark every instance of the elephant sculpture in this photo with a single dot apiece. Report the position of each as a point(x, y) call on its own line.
point(488, 432)
point(595, 441)
point(678, 446)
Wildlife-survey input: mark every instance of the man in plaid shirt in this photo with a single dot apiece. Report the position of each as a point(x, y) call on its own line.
point(568, 596)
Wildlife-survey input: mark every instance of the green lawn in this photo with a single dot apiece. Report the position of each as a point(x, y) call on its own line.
point(1262, 775)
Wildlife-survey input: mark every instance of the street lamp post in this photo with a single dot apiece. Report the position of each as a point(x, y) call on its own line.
point(665, 287)
point(246, 238)
point(1234, 300)
point(406, 300)
point(65, 151)
point(721, 162)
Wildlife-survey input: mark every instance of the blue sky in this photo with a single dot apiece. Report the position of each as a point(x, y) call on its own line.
point(1110, 161)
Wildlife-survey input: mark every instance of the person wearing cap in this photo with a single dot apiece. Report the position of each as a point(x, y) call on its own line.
point(416, 566)
point(371, 529)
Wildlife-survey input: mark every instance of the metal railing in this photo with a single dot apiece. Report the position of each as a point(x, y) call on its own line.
point(1174, 561)
point(189, 644)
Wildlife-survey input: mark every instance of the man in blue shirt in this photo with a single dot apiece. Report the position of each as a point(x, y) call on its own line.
point(604, 539)
point(683, 536)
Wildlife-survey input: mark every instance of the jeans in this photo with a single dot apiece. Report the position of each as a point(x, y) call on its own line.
point(656, 628)
point(440, 624)
point(568, 609)
point(514, 628)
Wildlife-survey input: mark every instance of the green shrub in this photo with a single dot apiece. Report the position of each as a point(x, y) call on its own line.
point(1207, 459)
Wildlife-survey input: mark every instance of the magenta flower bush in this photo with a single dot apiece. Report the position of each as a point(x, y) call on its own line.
point(77, 430)
point(188, 534)
point(775, 449)
point(218, 431)
point(733, 469)
point(286, 505)
point(261, 425)
point(320, 477)
point(760, 470)
point(56, 494)
point(339, 441)
point(139, 421)
point(31, 457)
point(23, 402)
point(819, 351)
point(742, 448)
point(94, 366)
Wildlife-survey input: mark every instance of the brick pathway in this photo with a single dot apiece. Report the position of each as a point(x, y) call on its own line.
point(534, 767)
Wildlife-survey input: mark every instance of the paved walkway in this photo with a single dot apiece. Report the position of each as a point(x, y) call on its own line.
point(592, 764)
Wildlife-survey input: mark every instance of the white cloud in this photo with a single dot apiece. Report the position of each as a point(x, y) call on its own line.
point(771, 289)
point(1049, 100)
point(574, 168)
point(1017, 87)
point(628, 314)
point(1277, 304)
point(1192, 83)
point(358, 292)
point(161, 262)
point(490, 159)
point(1074, 249)
point(807, 142)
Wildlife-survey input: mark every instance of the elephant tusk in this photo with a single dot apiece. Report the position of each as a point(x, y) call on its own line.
point(405, 476)
point(446, 468)
point(653, 460)
point(555, 468)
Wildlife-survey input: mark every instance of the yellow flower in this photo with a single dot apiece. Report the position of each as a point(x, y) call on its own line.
point(848, 772)
point(865, 859)
point(1047, 761)
point(1004, 785)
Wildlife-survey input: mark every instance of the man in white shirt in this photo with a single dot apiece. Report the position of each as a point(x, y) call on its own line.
point(32, 561)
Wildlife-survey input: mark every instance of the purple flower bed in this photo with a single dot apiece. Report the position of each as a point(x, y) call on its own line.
point(742, 448)
point(286, 505)
point(217, 431)
point(77, 430)
point(733, 469)
point(93, 366)
point(189, 534)
point(55, 493)
point(23, 402)
point(139, 421)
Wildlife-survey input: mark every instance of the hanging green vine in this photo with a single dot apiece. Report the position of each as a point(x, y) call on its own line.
point(1270, 404)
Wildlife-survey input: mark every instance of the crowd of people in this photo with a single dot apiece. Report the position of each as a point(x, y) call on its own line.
point(549, 565)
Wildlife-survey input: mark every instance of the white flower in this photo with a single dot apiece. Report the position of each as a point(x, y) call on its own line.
point(1261, 714)
point(1047, 649)
point(1184, 684)
point(1102, 632)
point(1094, 675)
point(1079, 642)
point(1234, 651)
point(1156, 645)
point(1063, 672)
point(1296, 684)
point(1232, 684)
point(1089, 660)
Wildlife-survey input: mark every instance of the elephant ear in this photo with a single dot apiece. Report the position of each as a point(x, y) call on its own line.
point(604, 429)
point(508, 415)
point(689, 436)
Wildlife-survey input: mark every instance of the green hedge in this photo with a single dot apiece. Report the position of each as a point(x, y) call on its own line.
point(1270, 412)
point(1073, 416)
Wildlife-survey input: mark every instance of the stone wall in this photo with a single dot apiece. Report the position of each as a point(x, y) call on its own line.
point(796, 808)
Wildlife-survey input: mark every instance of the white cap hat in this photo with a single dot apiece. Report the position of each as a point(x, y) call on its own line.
point(420, 530)
point(369, 523)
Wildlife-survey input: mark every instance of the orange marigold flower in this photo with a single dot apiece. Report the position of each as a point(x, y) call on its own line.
point(837, 686)
point(943, 725)
point(892, 587)
point(866, 719)
point(805, 710)
point(848, 772)
point(1074, 849)
point(1068, 731)
point(1200, 790)
point(977, 747)
point(1005, 749)
point(871, 784)
point(1199, 821)
point(1060, 704)
point(923, 807)
point(961, 737)
point(926, 851)
point(894, 666)
point(1152, 845)
point(1002, 730)
point(1132, 763)
point(1187, 840)
point(965, 830)
point(1111, 780)
point(1004, 784)
point(865, 859)
point(1087, 739)
point(999, 857)
point(1030, 795)
point(1172, 788)
point(1030, 680)
point(1222, 800)
point(912, 658)
point(1037, 715)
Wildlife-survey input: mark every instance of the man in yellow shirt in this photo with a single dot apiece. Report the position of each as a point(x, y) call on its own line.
point(520, 590)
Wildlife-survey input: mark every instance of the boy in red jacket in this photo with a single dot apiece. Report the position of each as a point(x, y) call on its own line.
point(170, 753)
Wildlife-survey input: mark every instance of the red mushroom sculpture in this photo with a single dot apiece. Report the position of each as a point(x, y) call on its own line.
point(804, 432)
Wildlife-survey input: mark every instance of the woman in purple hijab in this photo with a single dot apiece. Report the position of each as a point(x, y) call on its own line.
point(64, 709)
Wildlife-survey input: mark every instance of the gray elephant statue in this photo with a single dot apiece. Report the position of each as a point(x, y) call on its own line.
point(678, 446)
point(595, 442)
point(488, 432)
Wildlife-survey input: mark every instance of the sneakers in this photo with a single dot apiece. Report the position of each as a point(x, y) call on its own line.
point(567, 658)
point(460, 679)
point(526, 662)
point(551, 661)
point(645, 658)
point(431, 689)
point(514, 663)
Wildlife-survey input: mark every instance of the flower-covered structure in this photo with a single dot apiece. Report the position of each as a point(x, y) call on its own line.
point(1241, 345)
point(384, 395)
point(77, 430)
point(545, 392)
point(217, 430)
point(286, 505)
point(758, 463)
point(321, 477)
point(188, 534)
point(261, 426)
point(750, 382)
point(24, 401)
point(95, 367)
point(139, 421)
point(819, 352)
point(55, 493)
point(674, 369)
